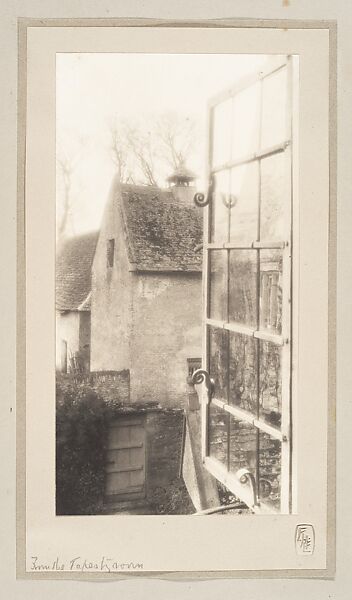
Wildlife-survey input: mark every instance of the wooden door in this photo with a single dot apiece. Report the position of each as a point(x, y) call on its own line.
point(125, 461)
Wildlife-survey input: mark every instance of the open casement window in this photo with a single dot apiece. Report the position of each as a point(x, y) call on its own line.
point(247, 289)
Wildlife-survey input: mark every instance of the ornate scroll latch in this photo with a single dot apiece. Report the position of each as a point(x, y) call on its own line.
point(200, 199)
point(245, 476)
point(202, 376)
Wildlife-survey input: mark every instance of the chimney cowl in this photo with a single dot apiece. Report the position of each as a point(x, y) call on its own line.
point(181, 177)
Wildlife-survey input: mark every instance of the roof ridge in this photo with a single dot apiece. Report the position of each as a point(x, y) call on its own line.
point(124, 221)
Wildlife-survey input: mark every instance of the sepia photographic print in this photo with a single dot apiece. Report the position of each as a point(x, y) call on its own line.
point(177, 268)
point(173, 283)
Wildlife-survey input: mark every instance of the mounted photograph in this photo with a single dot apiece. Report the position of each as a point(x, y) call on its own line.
point(176, 310)
point(174, 250)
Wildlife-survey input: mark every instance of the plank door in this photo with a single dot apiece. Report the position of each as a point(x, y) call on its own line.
point(125, 461)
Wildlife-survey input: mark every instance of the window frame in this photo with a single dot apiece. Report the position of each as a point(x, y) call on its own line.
point(285, 434)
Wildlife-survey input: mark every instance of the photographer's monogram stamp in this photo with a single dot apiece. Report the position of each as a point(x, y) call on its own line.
point(305, 539)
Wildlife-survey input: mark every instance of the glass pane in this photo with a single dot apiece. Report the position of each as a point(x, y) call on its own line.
point(219, 208)
point(218, 434)
point(271, 290)
point(274, 198)
point(243, 446)
point(243, 287)
point(243, 372)
point(218, 367)
point(218, 284)
point(270, 383)
point(222, 132)
point(269, 470)
point(274, 109)
point(246, 122)
point(243, 203)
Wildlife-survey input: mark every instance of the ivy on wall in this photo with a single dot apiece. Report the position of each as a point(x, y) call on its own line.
point(81, 428)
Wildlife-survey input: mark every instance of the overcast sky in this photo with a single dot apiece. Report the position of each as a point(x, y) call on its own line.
point(92, 89)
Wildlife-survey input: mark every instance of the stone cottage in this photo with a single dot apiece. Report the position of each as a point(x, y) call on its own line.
point(146, 289)
point(131, 299)
point(73, 298)
point(146, 320)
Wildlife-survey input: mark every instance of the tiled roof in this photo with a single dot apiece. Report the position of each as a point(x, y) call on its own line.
point(73, 272)
point(162, 234)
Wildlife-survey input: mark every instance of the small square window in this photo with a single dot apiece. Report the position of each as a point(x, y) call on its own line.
point(110, 248)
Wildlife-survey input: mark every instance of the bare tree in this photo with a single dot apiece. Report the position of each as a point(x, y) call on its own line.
point(67, 181)
point(65, 170)
point(121, 152)
point(141, 154)
point(142, 147)
point(176, 136)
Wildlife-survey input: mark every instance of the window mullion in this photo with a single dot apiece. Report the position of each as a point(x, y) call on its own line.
point(263, 245)
point(257, 474)
point(230, 164)
point(206, 293)
point(248, 417)
point(228, 359)
point(262, 331)
point(286, 312)
point(259, 334)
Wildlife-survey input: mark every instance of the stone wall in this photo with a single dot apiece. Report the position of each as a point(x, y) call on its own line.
point(166, 331)
point(111, 386)
point(111, 305)
point(149, 323)
point(166, 491)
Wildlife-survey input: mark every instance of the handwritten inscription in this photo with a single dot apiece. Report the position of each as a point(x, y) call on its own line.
point(84, 565)
point(305, 539)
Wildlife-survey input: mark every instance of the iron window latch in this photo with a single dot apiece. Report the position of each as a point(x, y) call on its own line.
point(202, 376)
point(200, 199)
point(246, 477)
